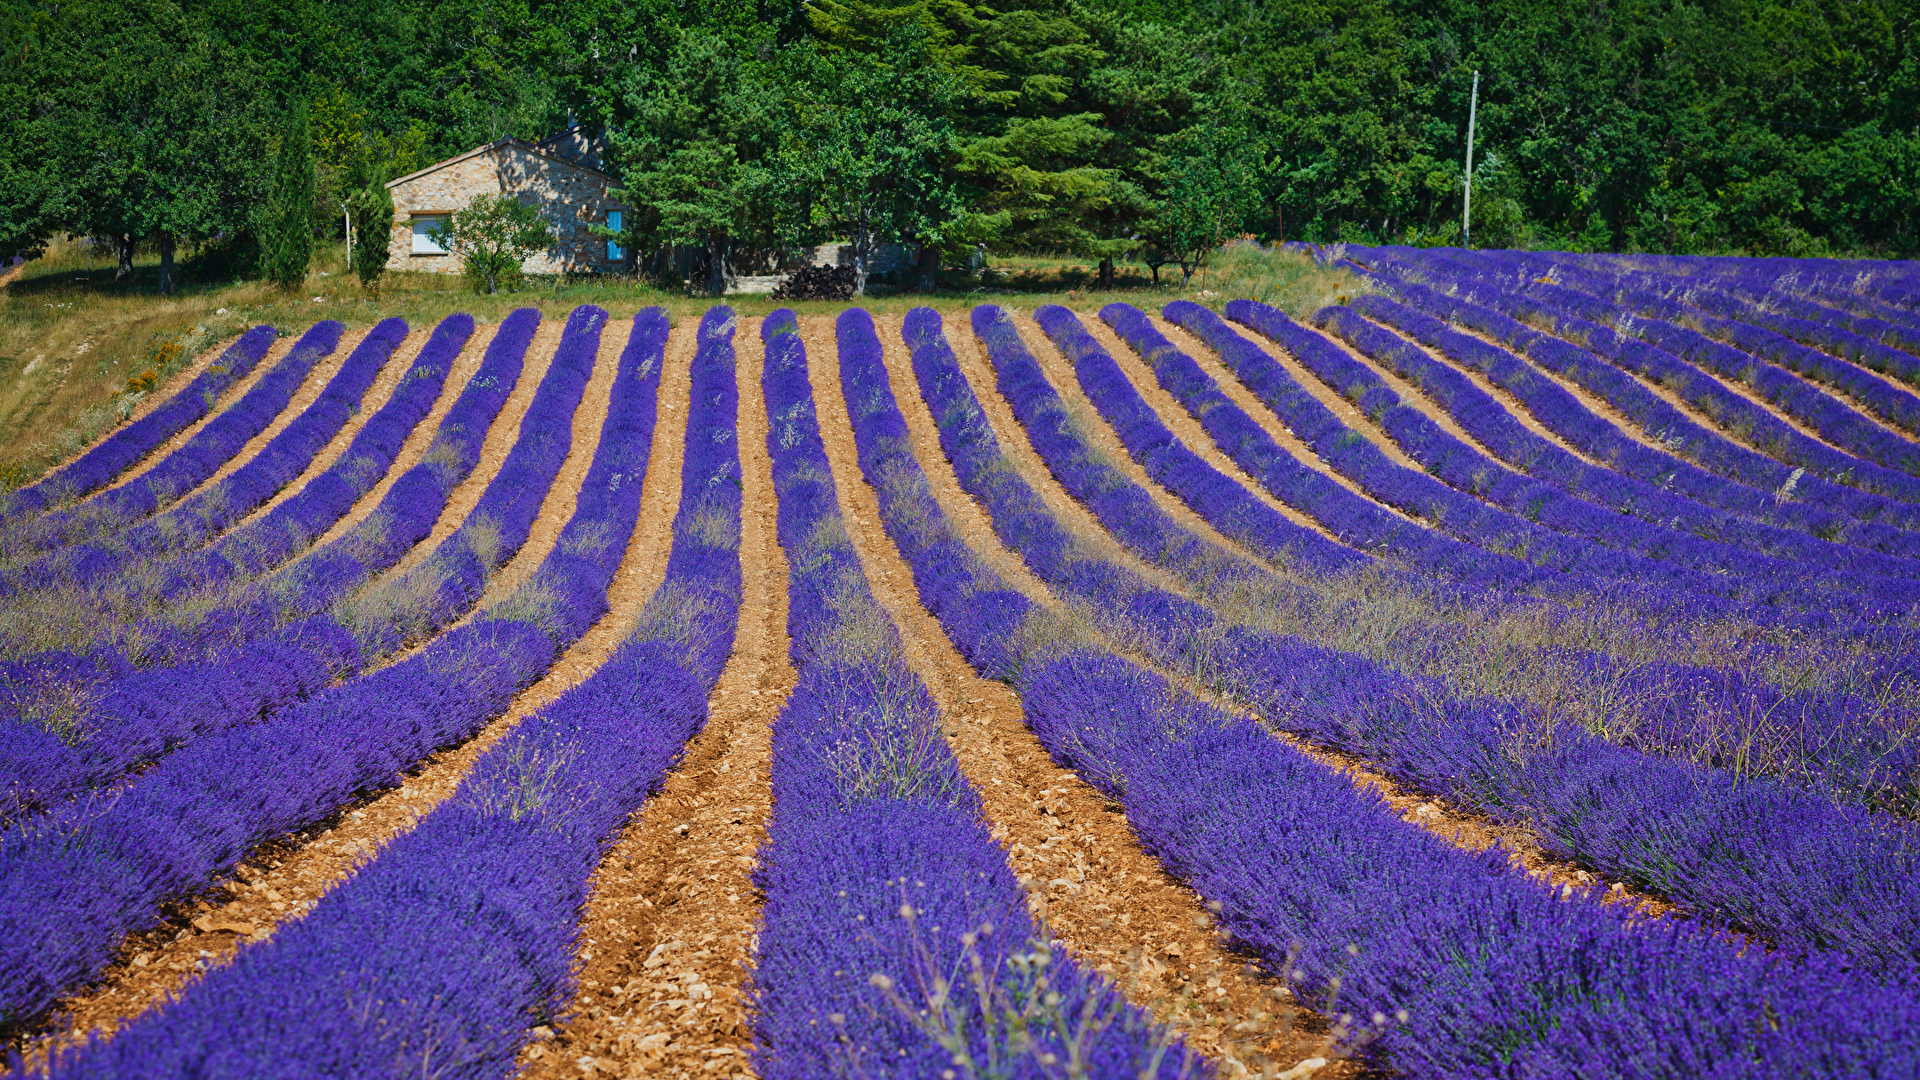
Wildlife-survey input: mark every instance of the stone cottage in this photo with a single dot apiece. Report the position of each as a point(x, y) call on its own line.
point(561, 175)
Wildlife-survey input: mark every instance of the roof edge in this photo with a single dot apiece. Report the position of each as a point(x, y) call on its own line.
point(523, 144)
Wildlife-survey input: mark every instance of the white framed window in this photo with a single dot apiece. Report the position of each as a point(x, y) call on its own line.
point(615, 253)
point(423, 242)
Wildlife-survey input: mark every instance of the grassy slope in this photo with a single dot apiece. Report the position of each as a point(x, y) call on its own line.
point(70, 338)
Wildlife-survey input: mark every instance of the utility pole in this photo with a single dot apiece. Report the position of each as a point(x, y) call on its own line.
point(1466, 204)
point(349, 214)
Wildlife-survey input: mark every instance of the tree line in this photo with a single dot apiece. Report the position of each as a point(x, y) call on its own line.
point(1111, 130)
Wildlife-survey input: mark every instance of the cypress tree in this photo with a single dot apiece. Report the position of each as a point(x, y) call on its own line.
point(373, 233)
point(287, 235)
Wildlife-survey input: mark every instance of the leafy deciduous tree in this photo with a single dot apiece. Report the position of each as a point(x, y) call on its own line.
point(868, 140)
point(494, 236)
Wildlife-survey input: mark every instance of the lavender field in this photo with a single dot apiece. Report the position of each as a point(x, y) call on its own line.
point(1510, 671)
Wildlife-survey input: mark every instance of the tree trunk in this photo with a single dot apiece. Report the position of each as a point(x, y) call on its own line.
point(862, 244)
point(123, 245)
point(166, 263)
point(929, 276)
point(1106, 274)
point(717, 264)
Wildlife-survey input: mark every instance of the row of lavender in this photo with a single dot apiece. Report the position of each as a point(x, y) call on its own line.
point(1859, 755)
point(192, 522)
point(475, 912)
point(1751, 853)
point(895, 941)
point(1473, 305)
point(180, 470)
point(123, 448)
point(267, 646)
point(99, 867)
point(1494, 974)
point(1846, 445)
point(1485, 503)
point(1666, 353)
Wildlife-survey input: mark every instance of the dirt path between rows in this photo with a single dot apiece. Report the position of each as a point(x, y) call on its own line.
point(1100, 894)
point(669, 928)
point(1415, 395)
point(1347, 411)
point(1743, 389)
point(276, 352)
point(501, 438)
point(419, 440)
point(1186, 428)
point(1099, 437)
point(1459, 827)
point(1276, 428)
point(1692, 412)
point(1019, 452)
point(378, 394)
point(285, 879)
point(317, 379)
point(563, 495)
point(1598, 406)
point(1846, 397)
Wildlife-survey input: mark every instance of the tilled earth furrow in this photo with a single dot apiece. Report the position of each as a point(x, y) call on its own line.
point(284, 879)
point(669, 927)
point(1094, 887)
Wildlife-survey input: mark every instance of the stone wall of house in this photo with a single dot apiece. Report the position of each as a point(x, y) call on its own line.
point(571, 198)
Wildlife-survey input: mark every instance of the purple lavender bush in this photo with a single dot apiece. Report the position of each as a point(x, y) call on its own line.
point(196, 519)
point(1484, 972)
point(200, 809)
point(477, 910)
point(1711, 838)
point(880, 877)
point(180, 470)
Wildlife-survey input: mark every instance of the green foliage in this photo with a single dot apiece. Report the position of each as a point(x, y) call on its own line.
point(493, 237)
point(694, 147)
point(867, 140)
point(1080, 127)
point(287, 224)
point(372, 208)
point(131, 120)
point(1207, 176)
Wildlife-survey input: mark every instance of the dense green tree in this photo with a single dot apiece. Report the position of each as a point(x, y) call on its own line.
point(1208, 179)
point(286, 226)
point(154, 137)
point(1030, 148)
point(694, 147)
point(372, 208)
point(1765, 126)
point(867, 140)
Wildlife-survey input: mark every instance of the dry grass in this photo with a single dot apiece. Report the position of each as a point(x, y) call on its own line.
point(71, 339)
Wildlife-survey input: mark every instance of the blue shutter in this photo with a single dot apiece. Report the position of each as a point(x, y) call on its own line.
point(615, 253)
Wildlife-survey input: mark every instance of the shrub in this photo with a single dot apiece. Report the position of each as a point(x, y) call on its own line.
point(493, 236)
point(373, 209)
